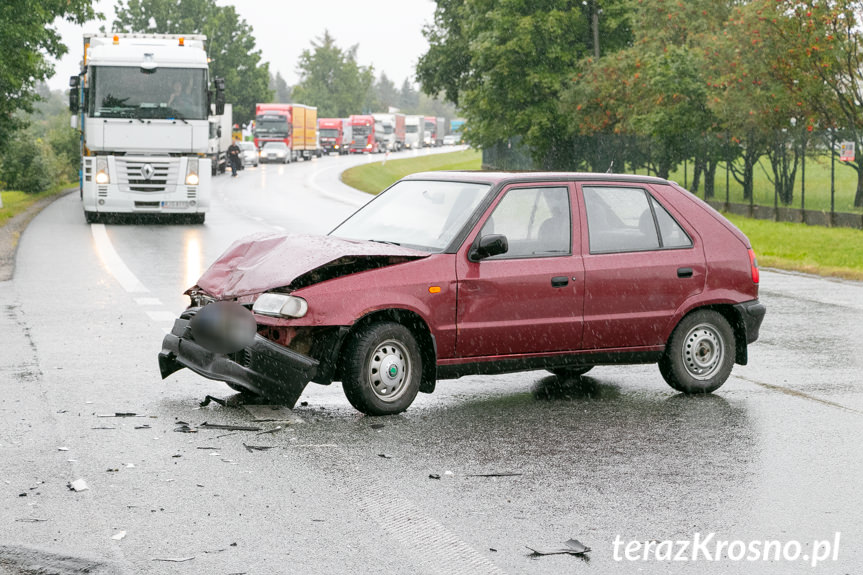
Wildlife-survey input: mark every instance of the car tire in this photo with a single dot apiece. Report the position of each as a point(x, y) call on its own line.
point(382, 369)
point(570, 372)
point(700, 353)
point(91, 217)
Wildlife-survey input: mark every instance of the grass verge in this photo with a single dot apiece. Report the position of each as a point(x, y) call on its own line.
point(16, 202)
point(375, 177)
point(800, 247)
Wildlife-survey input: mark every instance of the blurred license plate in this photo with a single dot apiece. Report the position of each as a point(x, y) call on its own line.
point(174, 205)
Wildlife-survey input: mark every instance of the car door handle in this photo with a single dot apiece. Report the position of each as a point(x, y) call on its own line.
point(559, 281)
point(684, 272)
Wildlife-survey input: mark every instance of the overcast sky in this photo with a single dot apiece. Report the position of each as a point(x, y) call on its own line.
point(388, 32)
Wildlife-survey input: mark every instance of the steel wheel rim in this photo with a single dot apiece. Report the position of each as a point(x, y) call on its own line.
point(389, 370)
point(703, 351)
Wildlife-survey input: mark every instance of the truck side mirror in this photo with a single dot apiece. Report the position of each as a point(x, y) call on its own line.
point(220, 96)
point(74, 96)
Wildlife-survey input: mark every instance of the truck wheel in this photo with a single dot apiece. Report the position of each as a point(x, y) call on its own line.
point(383, 368)
point(91, 217)
point(700, 353)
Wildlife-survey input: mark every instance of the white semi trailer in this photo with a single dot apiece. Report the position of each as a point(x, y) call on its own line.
point(142, 103)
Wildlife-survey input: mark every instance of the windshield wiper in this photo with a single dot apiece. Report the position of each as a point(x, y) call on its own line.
point(386, 242)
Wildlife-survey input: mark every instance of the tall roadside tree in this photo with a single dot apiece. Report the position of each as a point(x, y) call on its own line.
point(823, 60)
point(281, 91)
point(28, 38)
point(505, 64)
point(649, 99)
point(331, 80)
point(230, 44)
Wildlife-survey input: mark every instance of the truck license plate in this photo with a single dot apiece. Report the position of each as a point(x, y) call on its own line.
point(174, 205)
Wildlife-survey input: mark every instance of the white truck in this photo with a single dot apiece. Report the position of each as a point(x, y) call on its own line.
point(414, 126)
point(142, 104)
point(220, 140)
point(385, 131)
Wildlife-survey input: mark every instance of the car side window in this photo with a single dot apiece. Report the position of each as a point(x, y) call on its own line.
point(537, 222)
point(625, 220)
point(670, 232)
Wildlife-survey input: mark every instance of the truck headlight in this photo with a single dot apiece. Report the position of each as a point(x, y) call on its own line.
point(280, 305)
point(102, 176)
point(192, 178)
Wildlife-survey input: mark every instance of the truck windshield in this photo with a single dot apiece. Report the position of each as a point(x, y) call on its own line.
point(327, 133)
point(411, 129)
point(272, 125)
point(361, 132)
point(163, 93)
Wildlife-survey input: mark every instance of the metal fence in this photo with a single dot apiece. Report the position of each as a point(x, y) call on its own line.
point(823, 190)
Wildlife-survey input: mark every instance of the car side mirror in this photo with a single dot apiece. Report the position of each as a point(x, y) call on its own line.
point(488, 246)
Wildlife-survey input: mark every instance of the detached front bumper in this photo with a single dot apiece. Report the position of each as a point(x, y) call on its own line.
point(264, 368)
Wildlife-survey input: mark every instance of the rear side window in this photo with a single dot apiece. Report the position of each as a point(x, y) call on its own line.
point(629, 220)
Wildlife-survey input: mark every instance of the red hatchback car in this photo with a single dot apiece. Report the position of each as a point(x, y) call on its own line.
point(453, 273)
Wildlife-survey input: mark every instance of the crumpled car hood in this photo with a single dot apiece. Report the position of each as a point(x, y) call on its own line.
point(266, 261)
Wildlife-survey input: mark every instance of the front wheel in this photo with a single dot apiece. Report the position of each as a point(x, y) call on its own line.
point(382, 369)
point(700, 354)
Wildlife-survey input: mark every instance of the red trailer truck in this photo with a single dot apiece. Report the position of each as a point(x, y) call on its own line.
point(400, 131)
point(293, 124)
point(332, 135)
point(363, 134)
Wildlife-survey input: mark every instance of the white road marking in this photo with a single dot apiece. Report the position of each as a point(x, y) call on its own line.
point(148, 301)
point(113, 261)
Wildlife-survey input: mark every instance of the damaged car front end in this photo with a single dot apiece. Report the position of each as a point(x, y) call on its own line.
point(246, 327)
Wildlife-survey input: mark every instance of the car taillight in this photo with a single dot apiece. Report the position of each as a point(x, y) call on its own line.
point(753, 264)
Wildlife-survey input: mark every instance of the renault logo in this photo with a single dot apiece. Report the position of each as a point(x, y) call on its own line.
point(147, 171)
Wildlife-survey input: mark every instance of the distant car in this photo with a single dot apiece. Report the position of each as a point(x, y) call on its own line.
point(275, 152)
point(451, 140)
point(249, 153)
point(447, 274)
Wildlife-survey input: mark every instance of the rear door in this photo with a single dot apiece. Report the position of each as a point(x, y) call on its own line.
point(528, 300)
point(641, 262)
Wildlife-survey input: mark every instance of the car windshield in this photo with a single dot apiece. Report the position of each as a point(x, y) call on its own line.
point(275, 146)
point(425, 215)
point(247, 146)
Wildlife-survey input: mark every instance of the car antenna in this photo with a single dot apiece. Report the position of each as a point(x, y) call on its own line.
point(611, 165)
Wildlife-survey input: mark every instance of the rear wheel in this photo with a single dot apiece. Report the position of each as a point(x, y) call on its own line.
point(700, 354)
point(382, 369)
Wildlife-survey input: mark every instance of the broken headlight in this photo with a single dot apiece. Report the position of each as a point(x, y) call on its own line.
point(280, 305)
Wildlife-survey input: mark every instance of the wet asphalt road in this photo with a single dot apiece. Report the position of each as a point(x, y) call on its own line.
point(775, 454)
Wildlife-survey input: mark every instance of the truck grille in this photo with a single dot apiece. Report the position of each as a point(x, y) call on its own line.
point(133, 175)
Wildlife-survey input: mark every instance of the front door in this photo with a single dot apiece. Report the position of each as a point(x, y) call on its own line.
point(529, 299)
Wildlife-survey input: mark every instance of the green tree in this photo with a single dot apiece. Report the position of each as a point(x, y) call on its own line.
point(230, 44)
point(280, 89)
point(505, 64)
point(409, 98)
point(819, 61)
point(386, 92)
point(28, 37)
point(331, 80)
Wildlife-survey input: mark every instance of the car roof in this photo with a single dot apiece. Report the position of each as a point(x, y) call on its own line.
point(479, 176)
